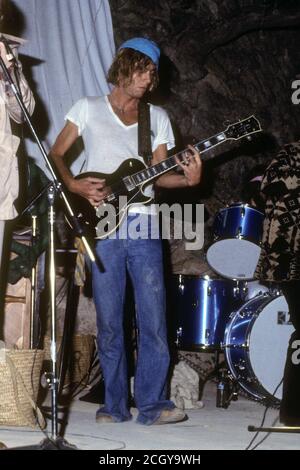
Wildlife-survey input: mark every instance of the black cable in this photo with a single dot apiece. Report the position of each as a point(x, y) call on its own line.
point(263, 421)
point(266, 436)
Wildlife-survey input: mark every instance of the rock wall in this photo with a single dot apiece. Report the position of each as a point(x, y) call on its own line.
point(222, 61)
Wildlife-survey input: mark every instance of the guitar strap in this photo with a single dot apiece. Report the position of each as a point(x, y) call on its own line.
point(144, 132)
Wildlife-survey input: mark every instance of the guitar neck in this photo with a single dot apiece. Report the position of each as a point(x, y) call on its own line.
point(166, 165)
point(236, 131)
point(207, 144)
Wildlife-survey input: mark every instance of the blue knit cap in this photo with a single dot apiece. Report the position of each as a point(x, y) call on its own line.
point(147, 47)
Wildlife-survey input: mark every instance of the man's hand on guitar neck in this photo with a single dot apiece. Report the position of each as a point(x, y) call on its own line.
point(93, 189)
point(191, 166)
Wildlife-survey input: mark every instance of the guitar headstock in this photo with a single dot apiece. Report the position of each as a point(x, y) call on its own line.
point(240, 129)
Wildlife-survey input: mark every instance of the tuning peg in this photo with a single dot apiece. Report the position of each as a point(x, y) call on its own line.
point(249, 137)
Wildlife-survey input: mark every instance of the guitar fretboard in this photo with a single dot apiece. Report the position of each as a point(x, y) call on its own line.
point(166, 165)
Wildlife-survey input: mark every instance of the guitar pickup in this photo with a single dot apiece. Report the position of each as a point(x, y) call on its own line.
point(129, 183)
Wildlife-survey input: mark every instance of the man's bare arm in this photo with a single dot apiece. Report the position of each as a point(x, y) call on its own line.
point(90, 188)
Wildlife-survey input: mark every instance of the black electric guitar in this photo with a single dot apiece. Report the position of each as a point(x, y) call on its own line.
point(127, 183)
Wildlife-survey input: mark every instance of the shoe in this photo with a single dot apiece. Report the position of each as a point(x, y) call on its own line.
point(175, 415)
point(102, 418)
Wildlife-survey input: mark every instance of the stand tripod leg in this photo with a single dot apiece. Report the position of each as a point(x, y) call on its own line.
point(283, 429)
point(33, 285)
point(52, 275)
point(66, 347)
point(226, 386)
point(221, 398)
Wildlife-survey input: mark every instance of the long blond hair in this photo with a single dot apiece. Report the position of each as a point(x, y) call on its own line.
point(126, 62)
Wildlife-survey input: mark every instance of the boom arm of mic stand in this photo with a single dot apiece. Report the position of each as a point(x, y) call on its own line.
point(58, 186)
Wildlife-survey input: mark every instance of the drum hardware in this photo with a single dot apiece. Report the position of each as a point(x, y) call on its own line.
point(181, 284)
point(235, 346)
point(240, 291)
point(276, 292)
point(245, 313)
point(222, 391)
point(178, 335)
point(217, 315)
point(241, 365)
point(227, 389)
point(255, 288)
point(181, 288)
point(283, 318)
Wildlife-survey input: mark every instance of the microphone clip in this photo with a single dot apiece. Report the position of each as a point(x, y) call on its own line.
point(10, 57)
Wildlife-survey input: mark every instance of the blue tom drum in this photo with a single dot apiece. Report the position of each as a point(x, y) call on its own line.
point(201, 308)
point(236, 248)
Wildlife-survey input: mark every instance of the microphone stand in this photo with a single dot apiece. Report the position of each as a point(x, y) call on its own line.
point(55, 442)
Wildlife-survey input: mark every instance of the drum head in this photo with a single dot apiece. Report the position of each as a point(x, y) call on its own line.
point(268, 343)
point(234, 258)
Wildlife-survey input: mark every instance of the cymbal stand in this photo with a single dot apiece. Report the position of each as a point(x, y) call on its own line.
point(227, 388)
point(33, 285)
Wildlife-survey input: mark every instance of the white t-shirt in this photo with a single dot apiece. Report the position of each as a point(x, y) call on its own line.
point(108, 141)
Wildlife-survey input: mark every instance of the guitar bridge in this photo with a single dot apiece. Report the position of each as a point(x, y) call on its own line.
point(129, 183)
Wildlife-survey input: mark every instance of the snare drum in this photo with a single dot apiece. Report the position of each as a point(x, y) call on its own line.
point(256, 342)
point(201, 308)
point(237, 233)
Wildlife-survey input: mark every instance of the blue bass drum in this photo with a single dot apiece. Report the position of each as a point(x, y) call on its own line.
point(201, 308)
point(236, 248)
point(256, 342)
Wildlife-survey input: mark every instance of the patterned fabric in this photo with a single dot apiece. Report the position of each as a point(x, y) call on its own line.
point(280, 254)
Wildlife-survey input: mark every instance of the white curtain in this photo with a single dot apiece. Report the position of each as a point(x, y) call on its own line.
point(73, 40)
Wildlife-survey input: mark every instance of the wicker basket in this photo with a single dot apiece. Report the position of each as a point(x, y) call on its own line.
point(20, 372)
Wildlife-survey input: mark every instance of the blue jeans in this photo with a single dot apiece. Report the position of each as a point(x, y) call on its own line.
point(142, 258)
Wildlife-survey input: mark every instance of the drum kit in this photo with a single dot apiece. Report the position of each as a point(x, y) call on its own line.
point(235, 315)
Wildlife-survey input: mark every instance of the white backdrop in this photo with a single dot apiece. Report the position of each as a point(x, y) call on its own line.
point(73, 39)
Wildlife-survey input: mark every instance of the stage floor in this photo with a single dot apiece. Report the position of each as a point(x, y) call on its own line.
point(207, 428)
